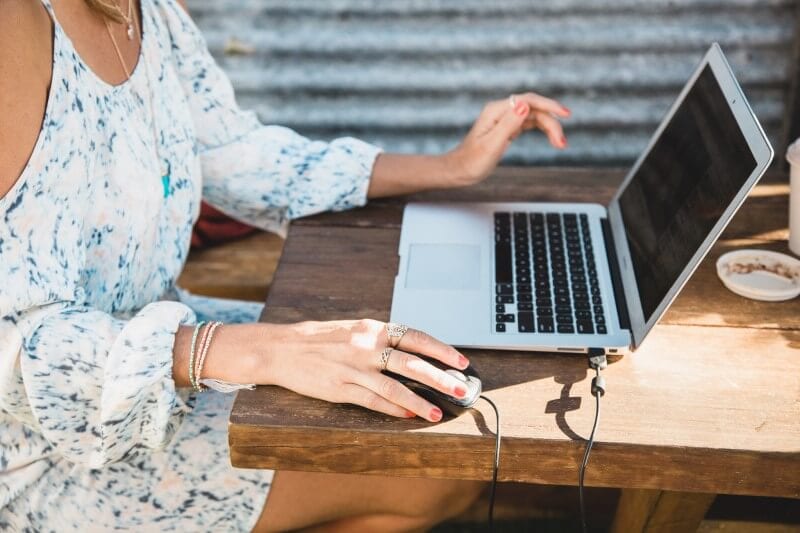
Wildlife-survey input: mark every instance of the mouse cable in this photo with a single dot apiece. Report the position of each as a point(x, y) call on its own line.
point(493, 488)
point(597, 361)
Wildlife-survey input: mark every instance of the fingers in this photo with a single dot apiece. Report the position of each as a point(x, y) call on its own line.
point(358, 395)
point(419, 370)
point(507, 129)
point(552, 128)
point(395, 392)
point(542, 103)
point(420, 342)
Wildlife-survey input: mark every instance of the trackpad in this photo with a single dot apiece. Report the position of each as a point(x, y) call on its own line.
point(444, 267)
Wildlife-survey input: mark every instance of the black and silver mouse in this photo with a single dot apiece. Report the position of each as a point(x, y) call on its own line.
point(448, 404)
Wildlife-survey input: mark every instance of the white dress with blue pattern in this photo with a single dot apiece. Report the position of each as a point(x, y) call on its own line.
point(93, 433)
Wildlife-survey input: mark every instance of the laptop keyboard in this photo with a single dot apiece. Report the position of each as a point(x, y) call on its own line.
point(545, 274)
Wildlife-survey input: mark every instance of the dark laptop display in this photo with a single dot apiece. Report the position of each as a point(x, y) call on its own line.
point(680, 191)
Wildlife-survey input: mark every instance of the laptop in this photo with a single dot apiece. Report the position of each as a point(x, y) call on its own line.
point(567, 277)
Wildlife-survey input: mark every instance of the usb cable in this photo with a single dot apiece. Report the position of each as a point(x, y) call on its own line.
point(597, 361)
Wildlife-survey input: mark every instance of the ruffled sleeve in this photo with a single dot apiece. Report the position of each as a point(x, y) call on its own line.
point(259, 174)
point(99, 389)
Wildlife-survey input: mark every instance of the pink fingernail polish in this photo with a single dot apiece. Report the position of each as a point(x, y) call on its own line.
point(568, 110)
point(463, 361)
point(409, 414)
point(522, 109)
point(563, 141)
point(436, 414)
point(460, 392)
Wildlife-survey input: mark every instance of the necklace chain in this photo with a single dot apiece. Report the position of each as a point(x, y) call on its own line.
point(165, 177)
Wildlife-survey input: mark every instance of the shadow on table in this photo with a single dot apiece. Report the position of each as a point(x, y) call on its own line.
point(500, 370)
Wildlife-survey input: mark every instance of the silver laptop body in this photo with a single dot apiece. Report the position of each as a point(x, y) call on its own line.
point(573, 276)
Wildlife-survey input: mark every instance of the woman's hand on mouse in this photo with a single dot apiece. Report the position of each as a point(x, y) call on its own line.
point(340, 362)
point(498, 125)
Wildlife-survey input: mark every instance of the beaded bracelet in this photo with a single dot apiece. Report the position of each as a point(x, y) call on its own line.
point(204, 347)
point(192, 351)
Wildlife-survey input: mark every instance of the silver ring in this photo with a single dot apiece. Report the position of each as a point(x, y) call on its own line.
point(512, 101)
point(385, 357)
point(395, 331)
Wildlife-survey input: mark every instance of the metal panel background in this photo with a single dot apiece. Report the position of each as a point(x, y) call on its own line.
point(411, 75)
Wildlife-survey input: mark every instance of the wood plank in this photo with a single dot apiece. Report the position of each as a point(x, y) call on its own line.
point(764, 215)
point(240, 269)
point(654, 511)
point(705, 300)
point(633, 510)
point(681, 414)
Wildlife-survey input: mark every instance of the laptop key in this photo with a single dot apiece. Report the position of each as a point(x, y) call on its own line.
point(500, 308)
point(500, 327)
point(504, 299)
point(602, 329)
point(563, 309)
point(546, 325)
point(525, 322)
point(563, 300)
point(564, 319)
point(524, 287)
point(565, 328)
point(583, 314)
point(502, 263)
point(585, 326)
point(526, 306)
point(505, 288)
point(544, 302)
point(598, 309)
point(525, 297)
point(509, 317)
point(599, 319)
point(544, 311)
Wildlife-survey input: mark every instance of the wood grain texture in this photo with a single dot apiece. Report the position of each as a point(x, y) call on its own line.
point(653, 511)
point(710, 402)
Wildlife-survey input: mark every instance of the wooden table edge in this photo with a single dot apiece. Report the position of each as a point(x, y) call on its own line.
point(742, 472)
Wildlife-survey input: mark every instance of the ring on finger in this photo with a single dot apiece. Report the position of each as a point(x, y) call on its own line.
point(385, 354)
point(395, 332)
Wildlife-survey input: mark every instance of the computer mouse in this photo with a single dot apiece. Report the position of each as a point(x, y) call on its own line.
point(448, 404)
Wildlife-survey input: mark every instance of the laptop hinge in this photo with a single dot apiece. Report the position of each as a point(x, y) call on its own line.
point(616, 277)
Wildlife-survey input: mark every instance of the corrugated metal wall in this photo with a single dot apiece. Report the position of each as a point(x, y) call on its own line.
point(412, 74)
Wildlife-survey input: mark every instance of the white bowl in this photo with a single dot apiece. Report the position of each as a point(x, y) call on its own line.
point(760, 274)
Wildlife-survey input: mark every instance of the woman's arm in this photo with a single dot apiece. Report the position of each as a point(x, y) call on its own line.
point(337, 361)
point(474, 159)
point(25, 64)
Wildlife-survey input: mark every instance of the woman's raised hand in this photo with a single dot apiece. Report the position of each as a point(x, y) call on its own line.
point(500, 122)
point(341, 362)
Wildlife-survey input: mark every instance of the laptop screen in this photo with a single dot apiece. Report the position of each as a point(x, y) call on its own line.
point(682, 188)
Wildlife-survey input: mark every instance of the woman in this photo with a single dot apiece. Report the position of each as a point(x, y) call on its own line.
point(115, 121)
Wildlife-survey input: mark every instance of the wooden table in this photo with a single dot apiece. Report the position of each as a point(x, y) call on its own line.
point(709, 404)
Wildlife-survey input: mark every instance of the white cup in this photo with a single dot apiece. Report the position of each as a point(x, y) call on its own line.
point(793, 157)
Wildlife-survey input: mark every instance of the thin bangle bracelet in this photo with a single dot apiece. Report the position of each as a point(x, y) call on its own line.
point(192, 351)
point(201, 361)
point(200, 347)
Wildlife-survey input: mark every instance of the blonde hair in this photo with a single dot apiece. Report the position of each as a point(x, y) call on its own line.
point(107, 9)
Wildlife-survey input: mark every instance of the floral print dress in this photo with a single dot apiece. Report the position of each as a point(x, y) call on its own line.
point(94, 434)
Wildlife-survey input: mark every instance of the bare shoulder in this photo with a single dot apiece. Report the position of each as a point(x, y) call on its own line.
point(26, 65)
